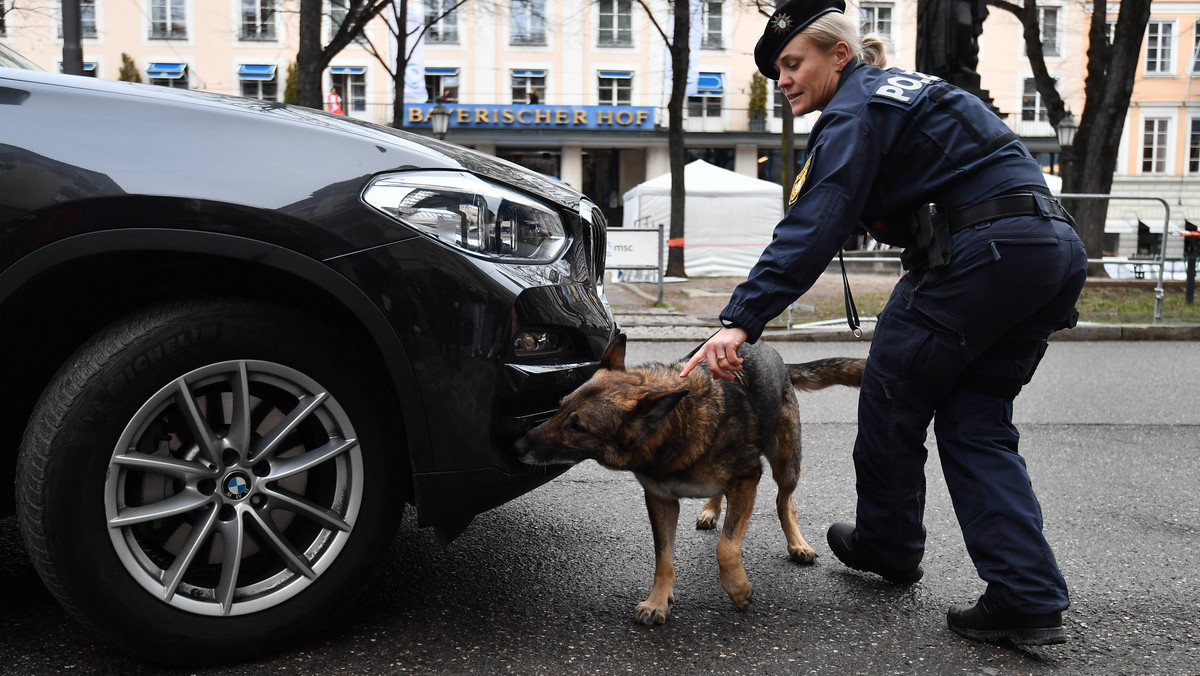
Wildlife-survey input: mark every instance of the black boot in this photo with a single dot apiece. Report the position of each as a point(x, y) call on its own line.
point(844, 543)
point(982, 622)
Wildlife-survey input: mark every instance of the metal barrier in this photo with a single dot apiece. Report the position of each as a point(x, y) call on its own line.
point(1159, 291)
point(633, 235)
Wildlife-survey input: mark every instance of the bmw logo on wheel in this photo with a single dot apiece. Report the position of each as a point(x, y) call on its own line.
point(237, 486)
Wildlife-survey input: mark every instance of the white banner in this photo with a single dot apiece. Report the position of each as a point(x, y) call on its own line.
point(414, 74)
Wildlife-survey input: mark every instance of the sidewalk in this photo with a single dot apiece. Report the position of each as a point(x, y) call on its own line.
point(633, 304)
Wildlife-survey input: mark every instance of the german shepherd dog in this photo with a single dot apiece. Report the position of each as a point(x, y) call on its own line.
point(693, 438)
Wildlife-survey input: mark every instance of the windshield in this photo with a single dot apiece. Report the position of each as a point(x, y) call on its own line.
point(11, 59)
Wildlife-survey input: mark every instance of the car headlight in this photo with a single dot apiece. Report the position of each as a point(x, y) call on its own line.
point(471, 214)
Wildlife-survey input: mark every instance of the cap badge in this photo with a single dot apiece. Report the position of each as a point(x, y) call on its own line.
point(782, 23)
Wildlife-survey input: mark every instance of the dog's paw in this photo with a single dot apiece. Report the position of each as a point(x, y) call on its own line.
point(650, 614)
point(805, 555)
point(743, 596)
point(707, 520)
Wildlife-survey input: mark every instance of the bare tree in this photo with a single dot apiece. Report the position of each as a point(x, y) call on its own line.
point(787, 159)
point(1108, 85)
point(313, 56)
point(406, 44)
point(72, 30)
point(677, 45)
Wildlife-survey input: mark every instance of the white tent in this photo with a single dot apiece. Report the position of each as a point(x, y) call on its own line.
point(728, 217)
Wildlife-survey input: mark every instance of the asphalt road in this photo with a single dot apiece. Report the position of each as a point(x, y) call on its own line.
point(548, 582)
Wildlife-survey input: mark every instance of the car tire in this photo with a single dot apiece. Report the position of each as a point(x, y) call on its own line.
point(197, 423)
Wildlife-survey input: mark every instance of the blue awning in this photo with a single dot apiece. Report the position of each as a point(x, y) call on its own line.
point(170, 71)
point(248, 71)
point(710, 84)
point(347, 70)
point(529, 73)
point(445, 72)
point(617, 74)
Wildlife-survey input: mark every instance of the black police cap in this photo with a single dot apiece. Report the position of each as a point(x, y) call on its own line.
point(791, 18)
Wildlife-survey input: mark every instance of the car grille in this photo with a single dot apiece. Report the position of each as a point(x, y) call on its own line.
point(597, 237)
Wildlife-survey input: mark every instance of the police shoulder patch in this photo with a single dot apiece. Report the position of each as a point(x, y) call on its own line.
point(903, 86)
point(799, 184)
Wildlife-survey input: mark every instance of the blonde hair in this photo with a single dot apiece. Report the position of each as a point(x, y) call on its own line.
point(834, 27)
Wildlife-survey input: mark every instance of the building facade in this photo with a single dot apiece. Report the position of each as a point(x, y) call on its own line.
point(599, 72)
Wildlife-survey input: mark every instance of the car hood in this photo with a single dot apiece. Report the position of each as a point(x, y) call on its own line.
point(154, 140)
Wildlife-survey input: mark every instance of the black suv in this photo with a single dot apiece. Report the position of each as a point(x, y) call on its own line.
point(239, 337)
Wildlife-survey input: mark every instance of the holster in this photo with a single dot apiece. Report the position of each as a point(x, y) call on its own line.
point(931, 229)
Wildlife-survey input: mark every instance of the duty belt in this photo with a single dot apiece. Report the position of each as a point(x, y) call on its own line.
point(932, 226)
point(1005, 206)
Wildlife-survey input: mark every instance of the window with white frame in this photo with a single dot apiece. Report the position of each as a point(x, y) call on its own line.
point(876, 17)
point(338, 9)
point(711, 96)
point(351, 84)
point(1033, 109)
point(1196, 48)
point(173, 75)
point(441, 84)
point(526, 81)
point(258, 19)
point(527, 24)
point(1160, 47)
point(1154, 145)
point(87, 19)
point(615, 87)
point(259, 81)
point(1194, 147)
point(441, 21)
point(168, 19)
point(1048, 23)
point(711, 20)
point(616, 23)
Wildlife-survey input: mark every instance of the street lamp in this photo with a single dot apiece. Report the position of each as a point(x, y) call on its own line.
point(1066, 138)
point(439, 118)
point(1066, 131)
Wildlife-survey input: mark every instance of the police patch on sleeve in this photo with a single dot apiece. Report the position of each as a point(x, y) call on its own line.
point(799, 184)
point(903, 86)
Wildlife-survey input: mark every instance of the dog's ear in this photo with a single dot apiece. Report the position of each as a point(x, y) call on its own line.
point(614, 355)
point(656, 405)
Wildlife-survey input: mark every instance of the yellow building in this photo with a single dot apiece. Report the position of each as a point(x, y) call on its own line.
point(1160, 151)
point(601, 76)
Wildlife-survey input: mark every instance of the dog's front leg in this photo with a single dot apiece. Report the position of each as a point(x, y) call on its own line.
point(740, 498)
point(664, 516)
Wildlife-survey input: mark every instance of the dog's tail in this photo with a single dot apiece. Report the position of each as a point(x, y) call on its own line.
point(822, 373)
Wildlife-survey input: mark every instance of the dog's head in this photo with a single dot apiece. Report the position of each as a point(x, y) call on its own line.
point(609, 419)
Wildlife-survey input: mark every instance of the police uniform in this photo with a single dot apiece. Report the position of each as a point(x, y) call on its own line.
point(955, 342)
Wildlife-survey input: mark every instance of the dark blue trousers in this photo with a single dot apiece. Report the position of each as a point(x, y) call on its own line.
point(951, 346)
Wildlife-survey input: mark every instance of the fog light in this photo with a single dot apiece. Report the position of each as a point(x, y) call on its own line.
point(535, 341)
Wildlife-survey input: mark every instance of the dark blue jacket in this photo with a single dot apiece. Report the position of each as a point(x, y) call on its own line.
point(889, 141)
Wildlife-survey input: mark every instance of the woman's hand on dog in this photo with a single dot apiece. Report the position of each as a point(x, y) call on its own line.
point(721, 354)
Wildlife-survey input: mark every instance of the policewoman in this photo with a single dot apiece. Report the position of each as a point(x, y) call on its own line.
point(994, 267)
